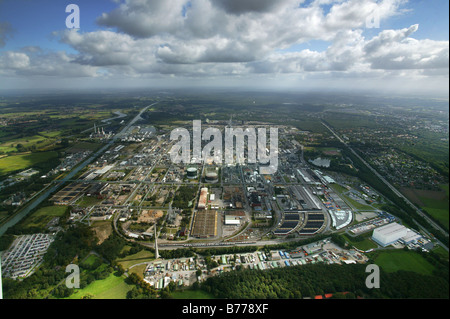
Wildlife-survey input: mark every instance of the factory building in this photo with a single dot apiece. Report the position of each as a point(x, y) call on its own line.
point(232, 220)
point(203, 198)
point(389, 234)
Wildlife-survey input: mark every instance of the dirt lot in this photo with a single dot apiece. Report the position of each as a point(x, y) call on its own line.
point(102, 230)
point(150, 216)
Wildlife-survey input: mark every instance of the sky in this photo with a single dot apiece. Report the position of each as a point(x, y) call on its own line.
point(384, 46)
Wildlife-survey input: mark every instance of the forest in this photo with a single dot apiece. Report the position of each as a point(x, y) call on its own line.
point(184, 195)
point(311, 280)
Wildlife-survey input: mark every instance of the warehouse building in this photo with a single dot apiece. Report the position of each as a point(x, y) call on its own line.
point(203, 198)
point(232, 220)
point(389, 234)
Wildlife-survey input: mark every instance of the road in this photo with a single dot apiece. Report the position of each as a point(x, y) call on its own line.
point(21, 214)
point(430, 221)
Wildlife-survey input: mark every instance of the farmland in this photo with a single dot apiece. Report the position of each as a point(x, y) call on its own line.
point(19, 162)
point(395, 260)
point(436, 203)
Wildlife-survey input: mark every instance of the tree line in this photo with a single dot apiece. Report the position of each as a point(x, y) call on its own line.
point(310, 280)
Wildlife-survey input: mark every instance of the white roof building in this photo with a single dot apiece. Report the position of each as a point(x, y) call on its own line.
point(389, 234)
point(411, 237)
point(232, 220)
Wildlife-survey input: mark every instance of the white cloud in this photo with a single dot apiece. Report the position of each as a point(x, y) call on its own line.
point(234, 40)
point(35, 62)
point(14, 60)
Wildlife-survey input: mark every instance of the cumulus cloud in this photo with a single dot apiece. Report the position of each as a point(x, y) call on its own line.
point(35, 62)
point(395, 49)
point(236, 39)
point(234, 30)
point(14, 60)
point(145, 18)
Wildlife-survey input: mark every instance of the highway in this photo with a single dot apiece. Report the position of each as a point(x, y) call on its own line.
point(431, 222)
point(24, 212)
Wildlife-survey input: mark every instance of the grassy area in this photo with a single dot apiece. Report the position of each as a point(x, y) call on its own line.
point(356, 204)
point(139, 270)
point(436, 203)
point(87, 201)
point(363, 242)
point(83, 146)
point(10, 145)
point(341, 190)
point(438, 208)
point(441, 251)
point(113, 287)
point(54, 211)
point(394, 260)
point(20, 162)
point(140, 257)
point(446, 189)
point(51, 134)
point(43, 216)
point(90, 260)
point(338, 188)
point(3, 215)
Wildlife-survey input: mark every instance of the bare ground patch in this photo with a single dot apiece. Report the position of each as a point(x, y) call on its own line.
point(102, 230)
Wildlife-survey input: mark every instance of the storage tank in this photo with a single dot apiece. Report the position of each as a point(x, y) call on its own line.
point(192, 173)
point(211, 177)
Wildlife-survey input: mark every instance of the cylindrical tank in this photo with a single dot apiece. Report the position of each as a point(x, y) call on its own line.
point(191, 172)
point(211, 177)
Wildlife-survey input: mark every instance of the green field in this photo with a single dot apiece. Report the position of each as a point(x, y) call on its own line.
point(51, 134)
point(435, 203)
point(83, 146)
point(87, 201)
point(10, 145)
point(140, 257)
point(54, 211)
point(438, 208)
point(19, 162)
point(113, 287)
point(364, 244)
point(394, 260)
point(43, 216)
point(441, 252)
point(90, 260)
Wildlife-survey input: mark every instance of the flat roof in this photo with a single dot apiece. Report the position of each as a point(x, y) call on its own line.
point(390, 229)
